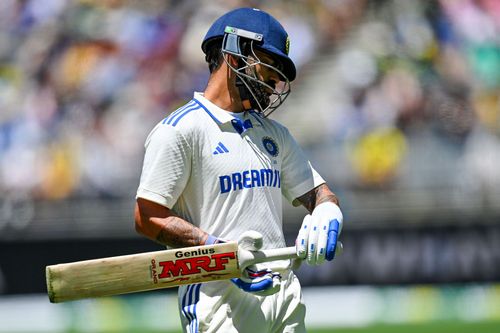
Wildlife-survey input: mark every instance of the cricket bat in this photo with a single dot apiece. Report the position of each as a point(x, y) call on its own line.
point(153, 270)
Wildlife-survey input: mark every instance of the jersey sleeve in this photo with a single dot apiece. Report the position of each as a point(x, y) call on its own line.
point(298, 175)
point(166, 167)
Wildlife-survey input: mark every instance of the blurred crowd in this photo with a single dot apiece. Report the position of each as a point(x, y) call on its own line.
point(83, 82)
point(423, 85)
point(413, 99)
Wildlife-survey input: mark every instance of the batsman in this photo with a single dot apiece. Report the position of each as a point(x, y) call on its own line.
point(217, 169)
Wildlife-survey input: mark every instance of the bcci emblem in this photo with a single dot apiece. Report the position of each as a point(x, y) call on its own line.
point(287, 45)
point(270, 146)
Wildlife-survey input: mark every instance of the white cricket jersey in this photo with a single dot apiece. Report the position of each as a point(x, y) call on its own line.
point(225, 172)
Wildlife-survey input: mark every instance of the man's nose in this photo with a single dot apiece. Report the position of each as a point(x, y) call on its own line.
point(272, 83)
point(274, 78)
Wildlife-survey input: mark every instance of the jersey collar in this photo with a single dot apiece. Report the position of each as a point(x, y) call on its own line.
point(221, 116)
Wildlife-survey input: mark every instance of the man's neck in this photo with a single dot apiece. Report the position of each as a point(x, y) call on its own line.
point(223, 93)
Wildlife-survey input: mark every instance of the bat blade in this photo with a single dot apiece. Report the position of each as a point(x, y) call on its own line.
point(141, 272)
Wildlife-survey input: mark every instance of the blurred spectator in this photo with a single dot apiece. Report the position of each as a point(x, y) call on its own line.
point(82, 82)
point(416, 85)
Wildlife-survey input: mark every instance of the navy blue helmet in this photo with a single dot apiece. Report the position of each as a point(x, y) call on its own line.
point(243, 31)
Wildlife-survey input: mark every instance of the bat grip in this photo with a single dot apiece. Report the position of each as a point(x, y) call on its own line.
point(247, 258)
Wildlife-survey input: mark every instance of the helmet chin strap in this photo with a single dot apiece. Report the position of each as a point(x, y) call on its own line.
point(251, 94)
point(247, 100)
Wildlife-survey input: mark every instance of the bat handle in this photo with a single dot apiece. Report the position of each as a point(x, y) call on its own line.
point(247, 258)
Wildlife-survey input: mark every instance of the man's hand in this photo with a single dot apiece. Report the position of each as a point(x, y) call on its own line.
point(261, 283)
point(317, 238)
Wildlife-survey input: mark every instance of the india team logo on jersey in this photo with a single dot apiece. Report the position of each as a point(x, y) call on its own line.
point(270, 146)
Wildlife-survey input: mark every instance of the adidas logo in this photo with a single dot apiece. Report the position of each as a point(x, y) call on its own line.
point(221, 149)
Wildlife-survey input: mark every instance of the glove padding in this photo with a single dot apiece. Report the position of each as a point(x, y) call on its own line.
point(317, 238)
point(250, 240)
point(261, 283)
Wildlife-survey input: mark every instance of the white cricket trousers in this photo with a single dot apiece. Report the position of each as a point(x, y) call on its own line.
point(224, 308)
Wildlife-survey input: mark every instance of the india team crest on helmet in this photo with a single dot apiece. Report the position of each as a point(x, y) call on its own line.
point(287, 45)
point(270, 146)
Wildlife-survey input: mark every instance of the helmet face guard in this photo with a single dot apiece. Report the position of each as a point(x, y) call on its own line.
point(263, 96)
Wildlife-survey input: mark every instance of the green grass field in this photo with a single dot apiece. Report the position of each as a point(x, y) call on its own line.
point(438, 327)
point(435, 327)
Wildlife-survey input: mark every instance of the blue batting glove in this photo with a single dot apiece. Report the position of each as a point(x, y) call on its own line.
point(318, 235)
point(331, 244)
point(261, 283)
